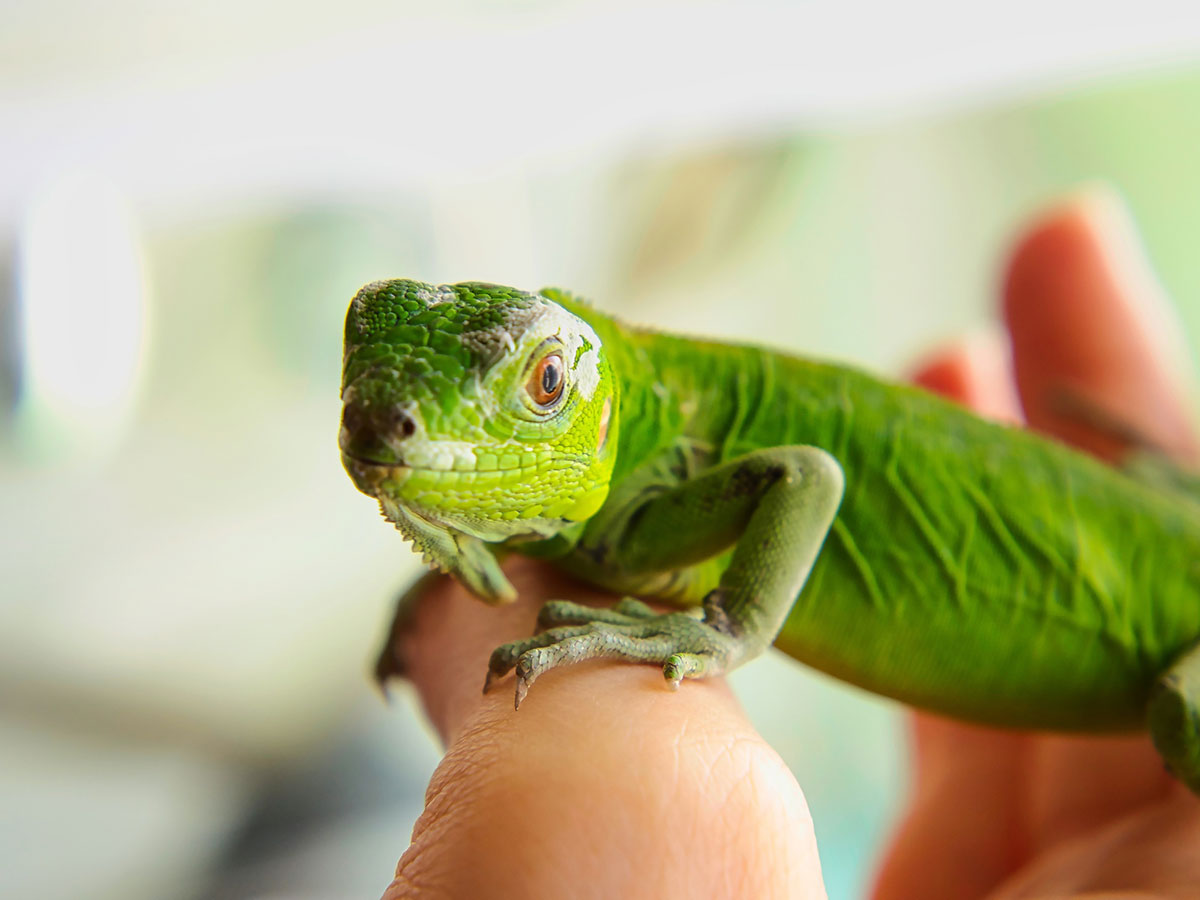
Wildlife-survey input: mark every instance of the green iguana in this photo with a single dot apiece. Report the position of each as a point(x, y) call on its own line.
point(871, 530)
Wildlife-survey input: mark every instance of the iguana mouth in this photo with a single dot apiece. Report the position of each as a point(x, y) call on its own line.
point(377, 470)
point(350, 460)
point(370, 475)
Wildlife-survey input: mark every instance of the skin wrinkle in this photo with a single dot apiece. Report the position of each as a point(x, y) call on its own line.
point(995, 522)
point(762, 405)
point(738, 765)
point(1034, 546)
point(969, 537)
point(1117, 633)
point(1109, 628)
point(1078, 575)
point(928, 531)
point(1146, 641)
point(861, 563)
point(1105, 601)
point(743, 405)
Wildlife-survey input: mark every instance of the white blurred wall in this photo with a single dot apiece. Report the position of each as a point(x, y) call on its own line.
point(190, 195)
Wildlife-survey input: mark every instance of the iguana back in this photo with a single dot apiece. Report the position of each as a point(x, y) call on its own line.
point(973, 568)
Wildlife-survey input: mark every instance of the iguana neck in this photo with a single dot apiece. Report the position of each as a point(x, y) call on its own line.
point(666, 395)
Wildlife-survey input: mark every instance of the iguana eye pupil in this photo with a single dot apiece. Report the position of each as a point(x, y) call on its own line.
point(546, 383)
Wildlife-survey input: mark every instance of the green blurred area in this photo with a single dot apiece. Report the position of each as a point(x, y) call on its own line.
point(227, 586)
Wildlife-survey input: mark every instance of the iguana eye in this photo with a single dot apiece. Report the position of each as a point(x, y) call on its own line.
point(545, 383)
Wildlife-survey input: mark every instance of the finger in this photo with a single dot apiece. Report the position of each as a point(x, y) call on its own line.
point(1150, 853)
point(604, 784)
point(960, 835)
point(975, 373)
point(963, 817)
point(1086, 314)
point(1083, 313)
point(1084, 310)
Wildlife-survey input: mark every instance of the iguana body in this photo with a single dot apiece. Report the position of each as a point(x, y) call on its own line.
point(972, 569)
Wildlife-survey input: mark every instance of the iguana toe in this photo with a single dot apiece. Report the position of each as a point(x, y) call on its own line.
point(684, 645)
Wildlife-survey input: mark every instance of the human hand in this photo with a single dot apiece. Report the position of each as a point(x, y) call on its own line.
point(605, 784)
point(1004, 814)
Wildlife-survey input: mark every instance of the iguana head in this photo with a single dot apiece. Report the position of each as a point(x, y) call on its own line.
point(474, 412)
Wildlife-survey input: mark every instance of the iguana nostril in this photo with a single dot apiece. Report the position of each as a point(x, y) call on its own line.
point(403, 425)
point(374, 434)
point(364, 425)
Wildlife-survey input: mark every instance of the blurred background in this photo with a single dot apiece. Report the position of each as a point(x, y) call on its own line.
point(191, 591)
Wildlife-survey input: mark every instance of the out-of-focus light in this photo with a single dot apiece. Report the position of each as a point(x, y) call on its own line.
point(82, 318)
point(322, 98)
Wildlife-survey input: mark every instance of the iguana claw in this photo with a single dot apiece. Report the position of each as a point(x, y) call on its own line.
point(685, 646)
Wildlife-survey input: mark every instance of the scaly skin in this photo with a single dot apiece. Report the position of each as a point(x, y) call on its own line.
point(971, 569)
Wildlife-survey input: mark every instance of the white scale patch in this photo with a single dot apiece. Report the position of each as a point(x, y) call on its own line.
point(573, 332)
point(441, 455)
point(533, 324)
point(357, 303)
point(437, 296)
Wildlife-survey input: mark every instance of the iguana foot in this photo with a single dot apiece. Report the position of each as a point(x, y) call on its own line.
point(682, 643)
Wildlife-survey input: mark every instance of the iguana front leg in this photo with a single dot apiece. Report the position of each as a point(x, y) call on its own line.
point(775, 507)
